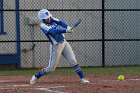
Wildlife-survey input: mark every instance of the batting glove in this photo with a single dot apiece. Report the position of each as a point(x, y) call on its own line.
point(69, 30)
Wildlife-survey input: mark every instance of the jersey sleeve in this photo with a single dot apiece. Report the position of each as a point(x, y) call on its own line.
point(52, 30)
point(60, 22)
point(56, 31)
point(45, 28)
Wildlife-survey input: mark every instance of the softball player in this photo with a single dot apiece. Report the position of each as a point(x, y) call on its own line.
point(58, 45)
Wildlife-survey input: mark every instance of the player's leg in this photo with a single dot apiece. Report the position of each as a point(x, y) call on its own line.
point(55, 52)
point(70, 56)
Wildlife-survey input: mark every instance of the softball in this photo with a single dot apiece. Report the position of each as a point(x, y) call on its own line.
point(121, 78)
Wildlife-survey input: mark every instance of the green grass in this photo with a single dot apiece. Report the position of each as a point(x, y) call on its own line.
point(114, 70)
point(65, 71)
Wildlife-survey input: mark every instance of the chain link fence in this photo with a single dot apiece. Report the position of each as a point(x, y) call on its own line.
point(108, 35)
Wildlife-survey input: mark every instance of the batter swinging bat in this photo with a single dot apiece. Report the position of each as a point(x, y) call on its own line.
point(76, 23)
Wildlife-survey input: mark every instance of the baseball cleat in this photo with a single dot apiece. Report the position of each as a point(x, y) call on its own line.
point(84, 81)
point(33, 80)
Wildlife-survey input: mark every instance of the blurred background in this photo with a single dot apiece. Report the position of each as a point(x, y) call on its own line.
point(109, 34)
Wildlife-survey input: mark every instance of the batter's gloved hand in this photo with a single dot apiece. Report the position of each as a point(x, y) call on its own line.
point(69, 30)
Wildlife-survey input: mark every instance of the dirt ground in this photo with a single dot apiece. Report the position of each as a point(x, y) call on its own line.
point(70, 84)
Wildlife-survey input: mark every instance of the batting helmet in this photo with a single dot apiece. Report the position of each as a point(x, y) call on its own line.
point(44, 14)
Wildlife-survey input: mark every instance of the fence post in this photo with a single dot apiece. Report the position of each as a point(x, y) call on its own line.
point(103, 33)
point(18, 31)
point(1, 18)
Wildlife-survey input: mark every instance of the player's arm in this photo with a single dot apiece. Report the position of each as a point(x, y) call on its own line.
point(48, 29)
point(56, 31)
point(60, 22)
point(63, 24)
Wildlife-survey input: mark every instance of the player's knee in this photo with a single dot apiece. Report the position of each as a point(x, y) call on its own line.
point(73, 62)
point(51, 69)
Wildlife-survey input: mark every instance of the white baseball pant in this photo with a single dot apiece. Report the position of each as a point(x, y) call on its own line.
point(63, 48)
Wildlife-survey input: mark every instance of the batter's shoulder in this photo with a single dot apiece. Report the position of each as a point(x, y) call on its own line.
point(55, 19)
point(45, 27)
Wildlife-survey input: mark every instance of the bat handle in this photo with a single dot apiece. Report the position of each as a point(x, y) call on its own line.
point(72, 28)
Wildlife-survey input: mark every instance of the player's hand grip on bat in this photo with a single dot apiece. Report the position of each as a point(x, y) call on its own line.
point(75, 24)
point(69, 29)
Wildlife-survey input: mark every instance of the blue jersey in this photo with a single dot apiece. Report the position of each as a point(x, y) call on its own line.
point(53, 32)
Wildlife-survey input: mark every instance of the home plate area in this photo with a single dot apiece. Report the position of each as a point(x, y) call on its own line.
point(70, 84)
point(26, 88)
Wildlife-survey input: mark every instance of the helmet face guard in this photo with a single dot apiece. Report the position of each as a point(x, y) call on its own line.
point(44, 14)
